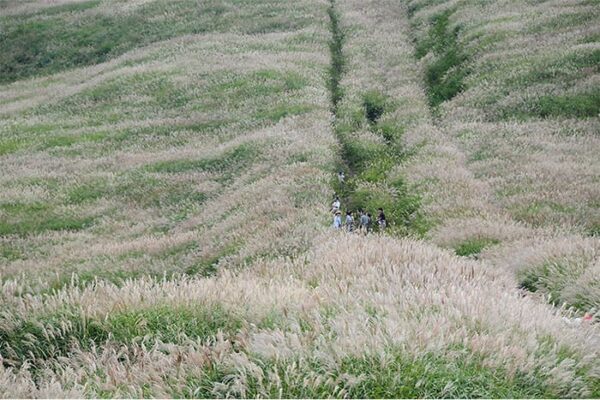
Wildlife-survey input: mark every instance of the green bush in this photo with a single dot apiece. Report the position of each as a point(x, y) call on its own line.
point(374, 104)
point(474, 246)
point(446, 74)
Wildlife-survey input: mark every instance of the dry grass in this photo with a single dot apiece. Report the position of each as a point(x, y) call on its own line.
point(350, 297)
point(164, 220)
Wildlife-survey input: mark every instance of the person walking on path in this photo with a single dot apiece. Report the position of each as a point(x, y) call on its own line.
point(364, 222)
point(335, 206)
point(337, 220)
point(349, 221)
point(381, 221)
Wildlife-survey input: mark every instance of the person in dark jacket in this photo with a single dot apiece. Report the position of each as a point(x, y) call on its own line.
point(381, 221)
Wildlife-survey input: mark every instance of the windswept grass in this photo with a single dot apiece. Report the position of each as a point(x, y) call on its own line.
point(91, 32)
point(163, 212)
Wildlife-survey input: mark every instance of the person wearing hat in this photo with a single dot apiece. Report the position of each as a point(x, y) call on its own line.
point(337, 220)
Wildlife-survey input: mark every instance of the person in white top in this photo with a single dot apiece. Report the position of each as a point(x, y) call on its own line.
point(337, 220)
point(336, 204)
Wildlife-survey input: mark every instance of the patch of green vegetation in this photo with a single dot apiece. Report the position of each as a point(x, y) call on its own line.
point(580, 105)
point(445, 75)
point(50, 336)
point(275, 113)
point(594, 230)
point(88, 192)
point(474, 246)
point(358, 155)
point(273, 320)
point(483, 153)
point(291, 80)
point(65, 141)
point(552, 277)
point(230, 161)
point(400, 206)
point(563, 22)
point(10, 253)
point(591, 38)
point(564, 69)
point(265, 82)
point(8, 146)
point(68, 8)
point(375, 105)
point(390, 131)
point(81, 279)
point(537, 213)
point(172, 324)
point(393, 375)
point(208, 266)
point(175, 199)
point(338, 61)
point(99, 104)
point(24, 219)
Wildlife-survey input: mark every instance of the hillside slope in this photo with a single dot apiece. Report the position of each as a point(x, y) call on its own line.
point(164, 225)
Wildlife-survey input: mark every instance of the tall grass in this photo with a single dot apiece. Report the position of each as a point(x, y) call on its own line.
point(204, 164)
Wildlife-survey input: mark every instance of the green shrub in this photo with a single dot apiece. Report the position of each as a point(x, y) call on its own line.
point(446, 74)
point(374, 104)
point(474, 246)
point(391, 131)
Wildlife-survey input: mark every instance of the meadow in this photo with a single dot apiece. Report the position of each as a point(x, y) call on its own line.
point(167, 170)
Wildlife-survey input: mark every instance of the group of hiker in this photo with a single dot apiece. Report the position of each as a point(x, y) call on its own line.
point(362, 221)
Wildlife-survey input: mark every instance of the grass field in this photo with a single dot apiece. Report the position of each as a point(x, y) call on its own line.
point(167, 170)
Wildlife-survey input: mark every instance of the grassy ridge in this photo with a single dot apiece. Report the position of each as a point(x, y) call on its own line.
point(89, 32)
point(525, 121)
